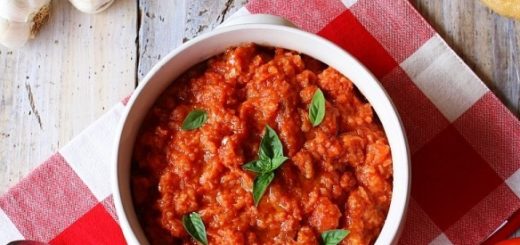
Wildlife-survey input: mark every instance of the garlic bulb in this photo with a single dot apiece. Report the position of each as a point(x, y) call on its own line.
point(21, 20)
point(91, 6)
point(21, 10)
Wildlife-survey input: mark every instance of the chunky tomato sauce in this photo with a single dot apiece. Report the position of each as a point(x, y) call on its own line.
point(338, 176)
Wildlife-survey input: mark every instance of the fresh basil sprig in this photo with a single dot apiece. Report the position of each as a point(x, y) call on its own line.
point(195, 227)
point(270, 157)
point(264, 166)
point(317, 108)
point(334, 237)
point(194, 120)
point(256, 166)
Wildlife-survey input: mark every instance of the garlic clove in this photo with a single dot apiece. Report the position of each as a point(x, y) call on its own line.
point(91, 6)
point(21, 10)
point(14, 34)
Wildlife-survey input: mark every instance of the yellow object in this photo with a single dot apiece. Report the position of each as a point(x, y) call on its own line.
point(509, 8)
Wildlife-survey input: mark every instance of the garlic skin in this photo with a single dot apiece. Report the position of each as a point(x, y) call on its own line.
point(21, 10)
point(14, 34)
point(91, 6)
point(20, 20)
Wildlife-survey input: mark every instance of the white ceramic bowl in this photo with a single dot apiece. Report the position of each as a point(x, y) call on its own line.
point(269, 31)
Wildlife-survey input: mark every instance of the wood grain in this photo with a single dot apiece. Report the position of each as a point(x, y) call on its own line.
point(165, 25)
point(160, 29)
point(488, 43)
point(55, 86)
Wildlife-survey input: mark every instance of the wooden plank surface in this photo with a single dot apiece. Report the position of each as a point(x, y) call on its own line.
point(80, 65)
point(77, 68)
point(165, 25)
point(488, 43)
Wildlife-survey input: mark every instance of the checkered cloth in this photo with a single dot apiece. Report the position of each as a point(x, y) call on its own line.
point(465, 144)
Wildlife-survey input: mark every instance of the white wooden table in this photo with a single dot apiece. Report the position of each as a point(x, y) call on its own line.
point(80, 65)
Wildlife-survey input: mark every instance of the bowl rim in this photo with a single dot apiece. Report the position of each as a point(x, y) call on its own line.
point(396, 215)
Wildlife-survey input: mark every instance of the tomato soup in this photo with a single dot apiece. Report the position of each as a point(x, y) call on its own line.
point(338, 174)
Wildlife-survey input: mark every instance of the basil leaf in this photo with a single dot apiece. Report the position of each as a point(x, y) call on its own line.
point(270, 146)
point(270, 157)
point(317, 108)
point(195, 227)
point(194, 120)
point(264, 166)
point(260, 185)
point(333, 237)
point(254, 166)
point(277, 162)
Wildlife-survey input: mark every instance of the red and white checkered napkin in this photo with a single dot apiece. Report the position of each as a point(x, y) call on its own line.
point(465, 144)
